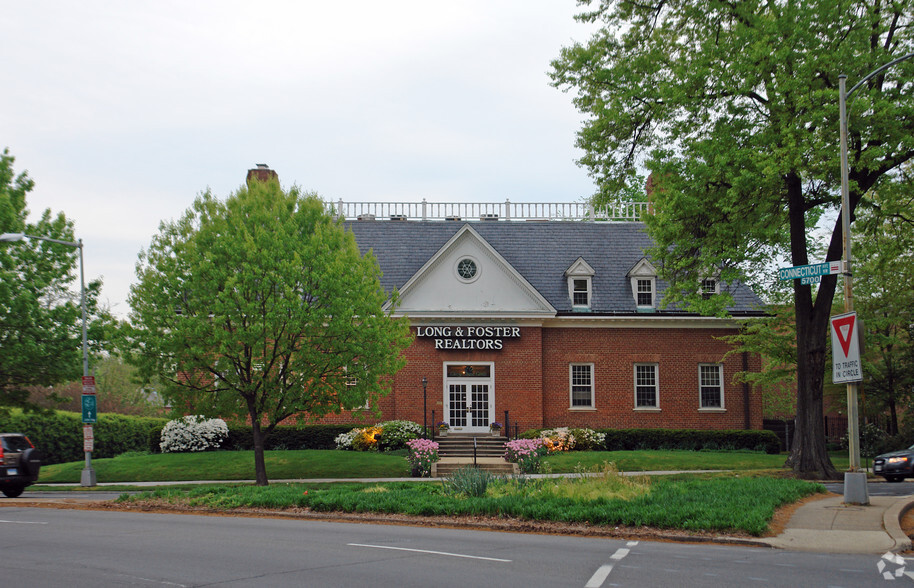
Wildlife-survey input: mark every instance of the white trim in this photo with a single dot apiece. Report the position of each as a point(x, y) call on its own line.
point(468, 232)
point(720, 374)
point(571, 384)
point(446, 406)
point(656, 366)
point(476, 265)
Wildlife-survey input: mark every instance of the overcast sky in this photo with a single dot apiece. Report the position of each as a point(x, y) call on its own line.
point(123, 112)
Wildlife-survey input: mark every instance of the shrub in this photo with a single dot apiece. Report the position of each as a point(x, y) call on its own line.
point(691, 439)
point(193, 433)
point(422, 454)
point(241, 437)
point(392, 435)
point(469, 481)
point(396, 434)
point(58, 434)
point(526, 453)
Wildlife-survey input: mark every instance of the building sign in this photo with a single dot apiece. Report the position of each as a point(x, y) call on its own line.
point(469, 338)
point(845, 349)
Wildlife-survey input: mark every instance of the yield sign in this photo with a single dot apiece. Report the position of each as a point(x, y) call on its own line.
point(845, 349)
point(844, 328)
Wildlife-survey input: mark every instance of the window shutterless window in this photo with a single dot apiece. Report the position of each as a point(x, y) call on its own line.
point(645, 294)
point(581, 385)
point(711, 385)
point(580, 292)
point(646, 385)
point(708, 288)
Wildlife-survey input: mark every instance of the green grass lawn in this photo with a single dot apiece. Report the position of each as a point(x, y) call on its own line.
point(721, 503)
point(306, 464)
point(232, 465)
point(644, 460)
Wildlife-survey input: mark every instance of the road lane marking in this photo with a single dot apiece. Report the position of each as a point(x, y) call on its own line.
point(599, 577)
point(430, 552)
point(24, 522)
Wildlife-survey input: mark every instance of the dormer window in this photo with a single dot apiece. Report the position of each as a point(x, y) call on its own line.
point(643, 278)
point(580, 284)
point(709, 287)
point(644, 295)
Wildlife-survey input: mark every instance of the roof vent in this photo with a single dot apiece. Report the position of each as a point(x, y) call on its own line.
point(366, 217)
point(398, 217)
point(488, 217)
point(452, 218)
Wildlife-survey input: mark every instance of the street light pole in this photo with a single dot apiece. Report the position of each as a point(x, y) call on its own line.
point(88, 474)
point(855, 489)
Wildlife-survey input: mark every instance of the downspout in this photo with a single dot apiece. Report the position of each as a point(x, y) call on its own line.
point(746, 411)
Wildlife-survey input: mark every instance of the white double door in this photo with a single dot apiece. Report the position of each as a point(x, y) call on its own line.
point(469, 402)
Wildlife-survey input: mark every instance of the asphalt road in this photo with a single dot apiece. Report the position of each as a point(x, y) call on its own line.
point(879, 488)
point(74, 548)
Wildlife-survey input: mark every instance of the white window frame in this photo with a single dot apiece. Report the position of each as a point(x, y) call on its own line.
point(656, 385)
point(572, 384)
point(582, 271)
point(707, 293)
point(587, 291)
point(646, 272)
point(720, 386)
point(636, 286)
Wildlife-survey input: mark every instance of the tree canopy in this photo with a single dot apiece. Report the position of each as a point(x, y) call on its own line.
point(883, 292)
point(40, 314)
point(733, 108)
point(260, 307)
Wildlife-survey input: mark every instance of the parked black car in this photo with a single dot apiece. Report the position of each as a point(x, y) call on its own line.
point(19, 463)
point(895, 466)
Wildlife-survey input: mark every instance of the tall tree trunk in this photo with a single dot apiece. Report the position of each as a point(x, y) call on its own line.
point(808, 455)
point(260, 466)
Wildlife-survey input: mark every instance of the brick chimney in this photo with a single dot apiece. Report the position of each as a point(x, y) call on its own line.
point(262, 173)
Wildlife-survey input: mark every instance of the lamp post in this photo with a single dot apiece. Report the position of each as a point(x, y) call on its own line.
point(424, 405)
point(855, 490)
point(88, 474)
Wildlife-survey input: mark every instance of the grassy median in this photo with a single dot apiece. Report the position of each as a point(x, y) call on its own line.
point(723, 503)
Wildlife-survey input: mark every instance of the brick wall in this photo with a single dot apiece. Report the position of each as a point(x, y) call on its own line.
point(614, 353)
point(531, 375)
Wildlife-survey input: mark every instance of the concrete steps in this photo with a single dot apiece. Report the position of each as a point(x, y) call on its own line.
point(495, 465)
point(463, 445)
point(485, 452)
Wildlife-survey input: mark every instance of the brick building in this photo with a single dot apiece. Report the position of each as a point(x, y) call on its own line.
point(551, 323)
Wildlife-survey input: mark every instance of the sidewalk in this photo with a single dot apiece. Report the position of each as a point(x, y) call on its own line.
point(830, 526)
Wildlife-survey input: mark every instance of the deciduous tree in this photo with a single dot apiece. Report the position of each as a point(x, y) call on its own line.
point(259, 308)
point(733, 106)
point(40, 324)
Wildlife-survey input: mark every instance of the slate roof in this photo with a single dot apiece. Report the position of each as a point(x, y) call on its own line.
point(539, 251)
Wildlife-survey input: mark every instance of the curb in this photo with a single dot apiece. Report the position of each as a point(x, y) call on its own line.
point(891, 521)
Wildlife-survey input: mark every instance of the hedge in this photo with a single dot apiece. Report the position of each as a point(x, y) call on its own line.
point(58, 435)
point(690, 439)
point(241, 438)
point(686, 439)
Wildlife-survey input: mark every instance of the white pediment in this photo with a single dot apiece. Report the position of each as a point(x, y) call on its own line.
point(642, 269)
point(468, 277)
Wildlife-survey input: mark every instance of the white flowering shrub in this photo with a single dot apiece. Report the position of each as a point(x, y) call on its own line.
point(386, 436)
point(344, 440)
point(192, 433)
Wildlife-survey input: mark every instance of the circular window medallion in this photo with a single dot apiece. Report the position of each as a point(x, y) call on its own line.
point(467, 270)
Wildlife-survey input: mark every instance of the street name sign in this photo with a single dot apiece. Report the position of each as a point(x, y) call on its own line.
point(806, 273)
point(845, 349)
